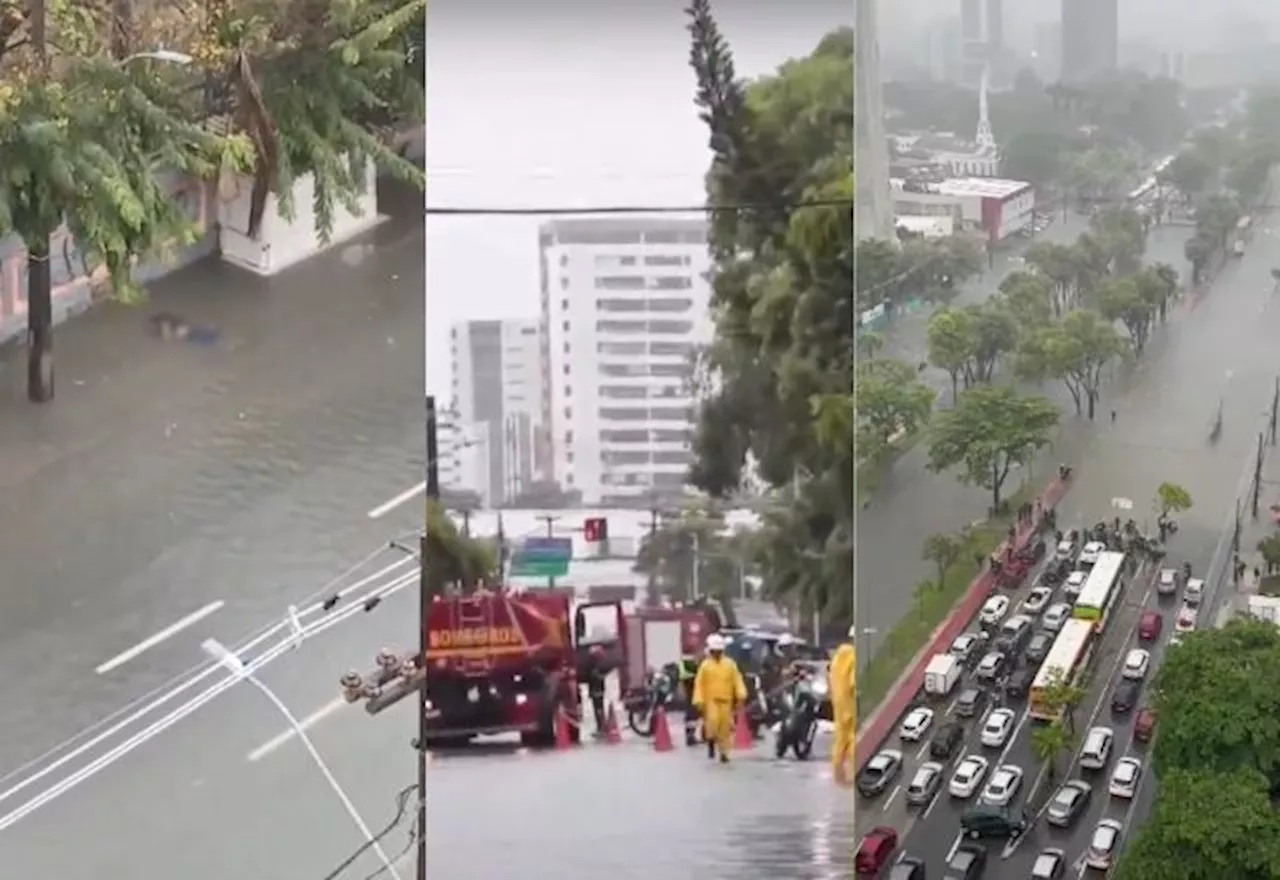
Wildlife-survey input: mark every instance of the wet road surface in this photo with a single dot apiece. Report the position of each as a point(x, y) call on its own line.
point(219, 795)
point(1166, 405)
point(912, 503)
point(209, 485)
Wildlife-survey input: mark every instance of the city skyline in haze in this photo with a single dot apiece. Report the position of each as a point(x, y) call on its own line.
point(573, 107)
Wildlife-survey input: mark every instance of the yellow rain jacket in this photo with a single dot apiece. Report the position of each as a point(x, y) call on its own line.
point(717, 689)
point(843, 686)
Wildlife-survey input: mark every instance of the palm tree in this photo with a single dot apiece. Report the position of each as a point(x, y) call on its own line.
point(1062, 696)
point(455, 561)
point(1048, 742)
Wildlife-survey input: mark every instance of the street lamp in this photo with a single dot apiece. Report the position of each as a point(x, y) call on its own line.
point(233, 664)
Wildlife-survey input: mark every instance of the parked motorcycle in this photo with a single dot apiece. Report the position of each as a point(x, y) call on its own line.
point(799, 723)
point(644, 704)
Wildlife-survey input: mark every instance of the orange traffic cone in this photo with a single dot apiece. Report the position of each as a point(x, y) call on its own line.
point(742, 739)
point(612, 736)
point(563, 738)
point(661, 731)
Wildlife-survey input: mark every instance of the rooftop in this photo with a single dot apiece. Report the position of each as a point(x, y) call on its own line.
point(991, 187)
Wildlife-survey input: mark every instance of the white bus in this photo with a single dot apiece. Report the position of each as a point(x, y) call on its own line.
point(1100, 591)
point(1069, 655)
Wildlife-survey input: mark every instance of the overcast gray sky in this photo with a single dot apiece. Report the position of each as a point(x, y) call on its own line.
point(577, 105)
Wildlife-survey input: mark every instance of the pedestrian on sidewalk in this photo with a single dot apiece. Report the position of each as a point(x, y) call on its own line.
point(1113, 417)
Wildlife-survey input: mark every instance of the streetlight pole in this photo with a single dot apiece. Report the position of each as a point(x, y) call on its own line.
point(233, 664)
point(424, 604)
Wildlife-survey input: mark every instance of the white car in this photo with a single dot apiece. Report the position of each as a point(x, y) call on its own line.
point(1037, 601)
point(1193, 592)
point(968, 776)
point(1075, 582)
point(964, 646)
point(1089, 555)
point(994, 610)
point(996, 729)
point(916, 724)
point(1103, 845)
point(1124, 779)
point(1065, 549)
point(1136, 664)
point(1186, 621)
point(1003, 786)
point(1056, 616)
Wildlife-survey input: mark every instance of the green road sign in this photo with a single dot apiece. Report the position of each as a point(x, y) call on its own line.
point(542, 557)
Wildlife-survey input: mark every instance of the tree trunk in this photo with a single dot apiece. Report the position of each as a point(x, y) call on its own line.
point(955, 387)
point(39, 323)
point(1093, 403)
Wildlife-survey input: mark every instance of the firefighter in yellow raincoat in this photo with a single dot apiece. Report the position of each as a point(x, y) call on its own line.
point(718, 689)
point(843, 686)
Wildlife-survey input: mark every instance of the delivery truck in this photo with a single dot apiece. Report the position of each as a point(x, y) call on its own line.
point(941, 675)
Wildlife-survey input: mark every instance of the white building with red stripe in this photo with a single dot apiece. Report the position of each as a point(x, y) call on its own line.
point(999, 208)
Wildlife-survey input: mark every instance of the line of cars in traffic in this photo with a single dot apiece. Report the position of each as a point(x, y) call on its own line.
point(1003, 654)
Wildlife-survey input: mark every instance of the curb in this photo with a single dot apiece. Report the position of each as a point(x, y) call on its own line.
point(879, 722)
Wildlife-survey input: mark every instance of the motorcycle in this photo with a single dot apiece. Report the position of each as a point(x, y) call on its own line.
point(799, 723)
point(642, 707)
point(758, 710)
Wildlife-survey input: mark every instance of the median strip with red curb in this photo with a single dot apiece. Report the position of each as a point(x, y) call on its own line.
point(876, 729)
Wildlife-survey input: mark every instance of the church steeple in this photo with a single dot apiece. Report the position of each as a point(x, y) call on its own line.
point(985, 139)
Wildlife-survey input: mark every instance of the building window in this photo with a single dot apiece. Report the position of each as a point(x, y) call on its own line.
point(529, 331)
point(681, 457)
point(671, 327)
point(666, 349)
point(564, 282)
point(620, 282)
point(624, 392)
point(566, 369)
point(568, 391)
point(621, 349)
point(671, 282)
point(568, 438)
point(669, 305)
point(566, 326)
point(617, 304)
point(568, 412)
point(671, 414)
point(633, 436)
point(666, 260)
point(564, 259)
point(568, 478)
point(568, 459)
point(621, 327)
point(564, 305)
point(623, 414)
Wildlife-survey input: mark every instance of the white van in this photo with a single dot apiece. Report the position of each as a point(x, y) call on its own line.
point(1193, 592)
point(1097, 748)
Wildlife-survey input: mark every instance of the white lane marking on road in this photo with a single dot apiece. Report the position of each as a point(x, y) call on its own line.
point(955, 845)
point(403, 498)
point(1103, 693)
point(888, 802)
point(924, 747)
point(933, 803)
point(306, 724)
point(167, 633)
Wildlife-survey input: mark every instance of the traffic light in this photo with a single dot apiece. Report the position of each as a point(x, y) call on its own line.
point(595, 530)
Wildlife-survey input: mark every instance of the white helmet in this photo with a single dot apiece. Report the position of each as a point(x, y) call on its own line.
point(853, 632)
point(715, 642)
point(786, 640)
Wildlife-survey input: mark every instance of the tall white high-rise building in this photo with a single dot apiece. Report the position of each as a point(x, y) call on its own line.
point(463, 456)
point(873, 203)
point(498, 394)
point(625, 303)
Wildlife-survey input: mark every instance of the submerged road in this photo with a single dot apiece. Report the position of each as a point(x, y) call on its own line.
point(1165, 404)
point(1218, 350)
point(176, 491)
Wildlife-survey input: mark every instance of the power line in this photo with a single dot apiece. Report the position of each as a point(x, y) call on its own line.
point(402, 809)
point(623, 210)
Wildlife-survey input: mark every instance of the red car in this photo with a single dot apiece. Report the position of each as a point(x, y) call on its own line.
point(1144, 724)
point(1149, 626)
point(875, 850)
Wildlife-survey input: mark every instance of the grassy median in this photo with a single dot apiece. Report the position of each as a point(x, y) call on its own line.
point(912, 632)
point(871, 473)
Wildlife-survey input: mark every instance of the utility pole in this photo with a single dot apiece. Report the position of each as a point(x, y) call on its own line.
point(550, 521)
point(695, 584)
point(39, 272)
point(424, 604)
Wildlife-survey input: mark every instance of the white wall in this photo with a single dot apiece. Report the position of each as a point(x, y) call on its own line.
point(280, 242)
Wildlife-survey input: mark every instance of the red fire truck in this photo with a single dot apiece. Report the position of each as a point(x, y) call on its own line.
point(500, 661)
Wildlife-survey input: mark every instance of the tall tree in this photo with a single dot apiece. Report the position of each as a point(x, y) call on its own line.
point(991, 430)
point(783, 295)
point(1075, 351)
